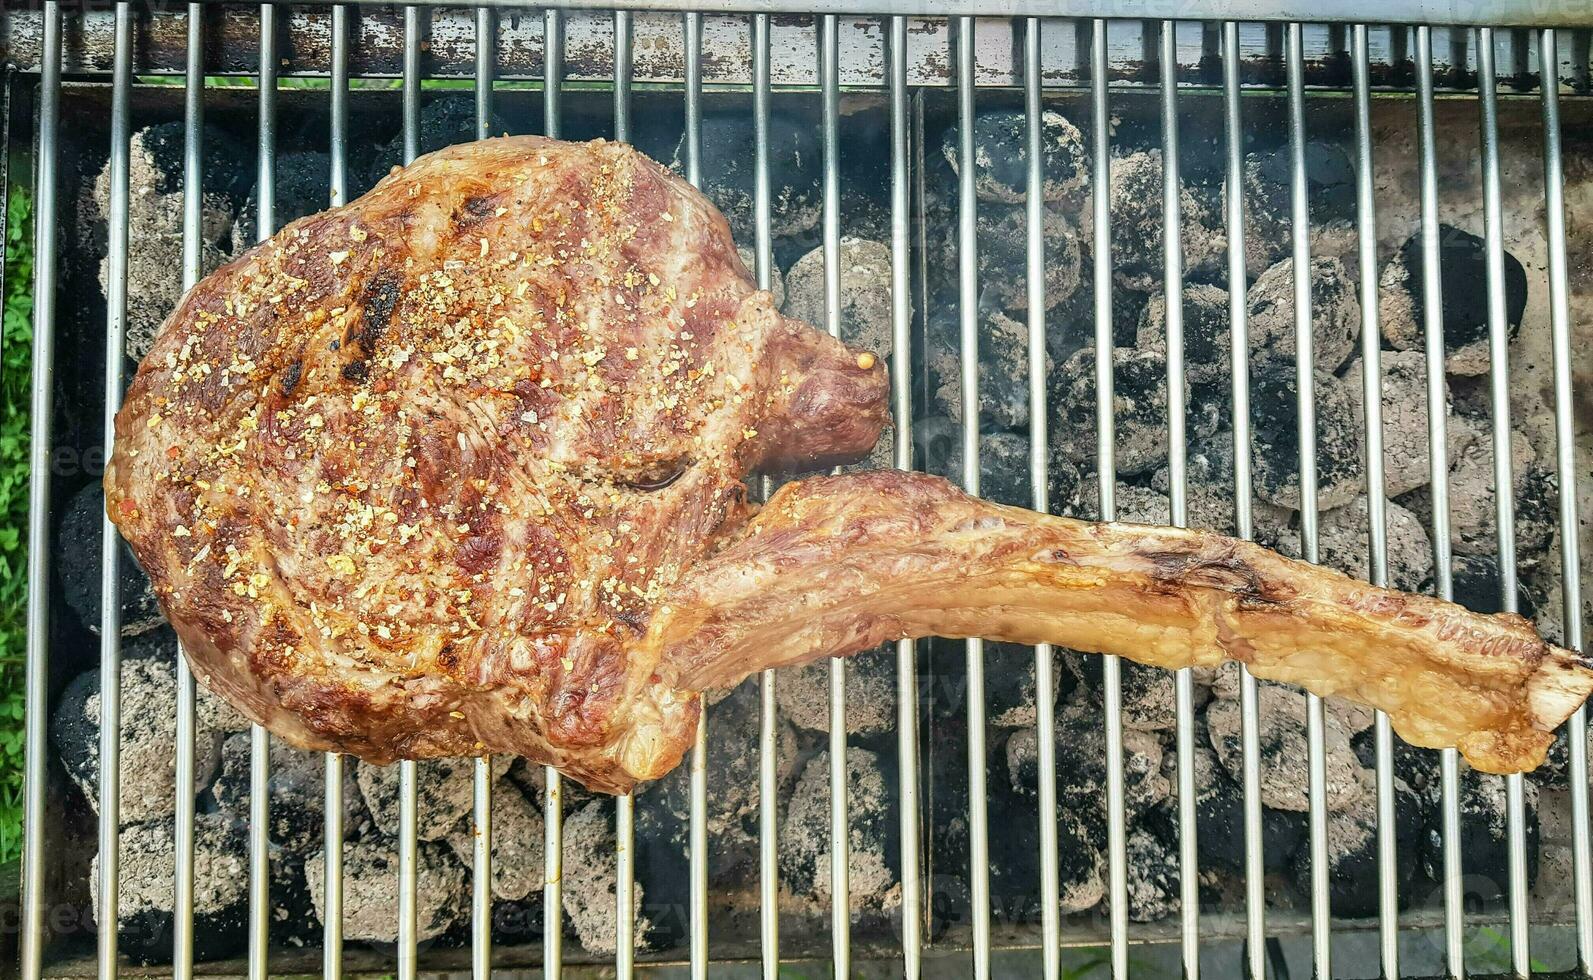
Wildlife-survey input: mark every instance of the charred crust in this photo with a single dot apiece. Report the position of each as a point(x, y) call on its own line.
point(290, 378)
point(376, 314)
point(356, 371)
point(657, 476)
point(448, 656)
point(475, 209)
point(1225, 571)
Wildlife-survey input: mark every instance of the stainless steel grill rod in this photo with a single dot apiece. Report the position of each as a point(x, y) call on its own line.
point(698, 830)
point(1376, 502)
point(902, 409)
point(1305, 382)
point(259, 737)
point(182, 964)
point(110, 541)
point(624, 806)
point(1177, 442)
point(35, 776)
point(1039, 481)
point(411, 83)
point(332, 900)
point(840, 849)
point(1106, 470)
point(481, 773)
point(408, 831)
point(1239, 370)
point(1438, 455)
point(622, 75)
point(768, 785)
point(553, 809)
point(486, 46)
point(1503, 476)
point(1565, 469)
point(968, 314)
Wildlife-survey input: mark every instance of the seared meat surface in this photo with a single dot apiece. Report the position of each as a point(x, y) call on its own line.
point(458, 468)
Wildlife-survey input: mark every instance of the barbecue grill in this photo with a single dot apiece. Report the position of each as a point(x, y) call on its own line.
point(888, 81)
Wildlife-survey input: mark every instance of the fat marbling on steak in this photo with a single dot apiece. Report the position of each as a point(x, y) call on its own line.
point(458, 468)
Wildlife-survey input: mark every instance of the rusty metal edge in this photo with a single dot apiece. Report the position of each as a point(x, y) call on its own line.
point(377, 48)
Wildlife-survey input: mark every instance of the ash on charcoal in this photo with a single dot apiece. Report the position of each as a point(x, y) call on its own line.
point(293, 918)
point(733, 759)
point(1081, 769)
point(147, 894)
point(446, 119)
point(1072, 328)
point(1556, 769)
point(1003, 251)
point(148, 731)
point(1219, 817)
point(518, 923)
point(370, 888)
point(727, 165)
point(1284, 751)
point(776, 277)
point(531, 777)
point(1335, 314)
point(1140, 409)
point(1015, 871)
point(1208, 484)
point(871, 830)
point(78, 539)
point(1003, 368)
point(1003, 467)
point(154, 285)
point(1473, 528)
point(1557, 878)
point(1135, 504)
point(1001, 157)
point(516, 842)
point(1478, 587)
point(155, 221)
point(1152, 875)
point(1537, 514)
point(1136, 208)
point(1406, 455)
point(1064, 482)
point(1484, 835)
point(155, 163)
point(301, 182)
point(1009, 682)
point(1417, 769)
point(803, 693)
point(1352, 852)
point(1207, 328)
point(865, 278)
point(444, 792)
point(155, 183)
point(590, 881)
point(1148, 699)
point(1275, 441)
point(1268, 197)
point(1342, 536)
point(296, 788)
point(1541, 582)
point(1463, 265)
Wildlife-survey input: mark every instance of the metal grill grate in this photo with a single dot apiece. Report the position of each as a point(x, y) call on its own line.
point(1095, 69)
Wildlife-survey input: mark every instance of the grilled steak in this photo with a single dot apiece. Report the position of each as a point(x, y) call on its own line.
point(458, 468)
